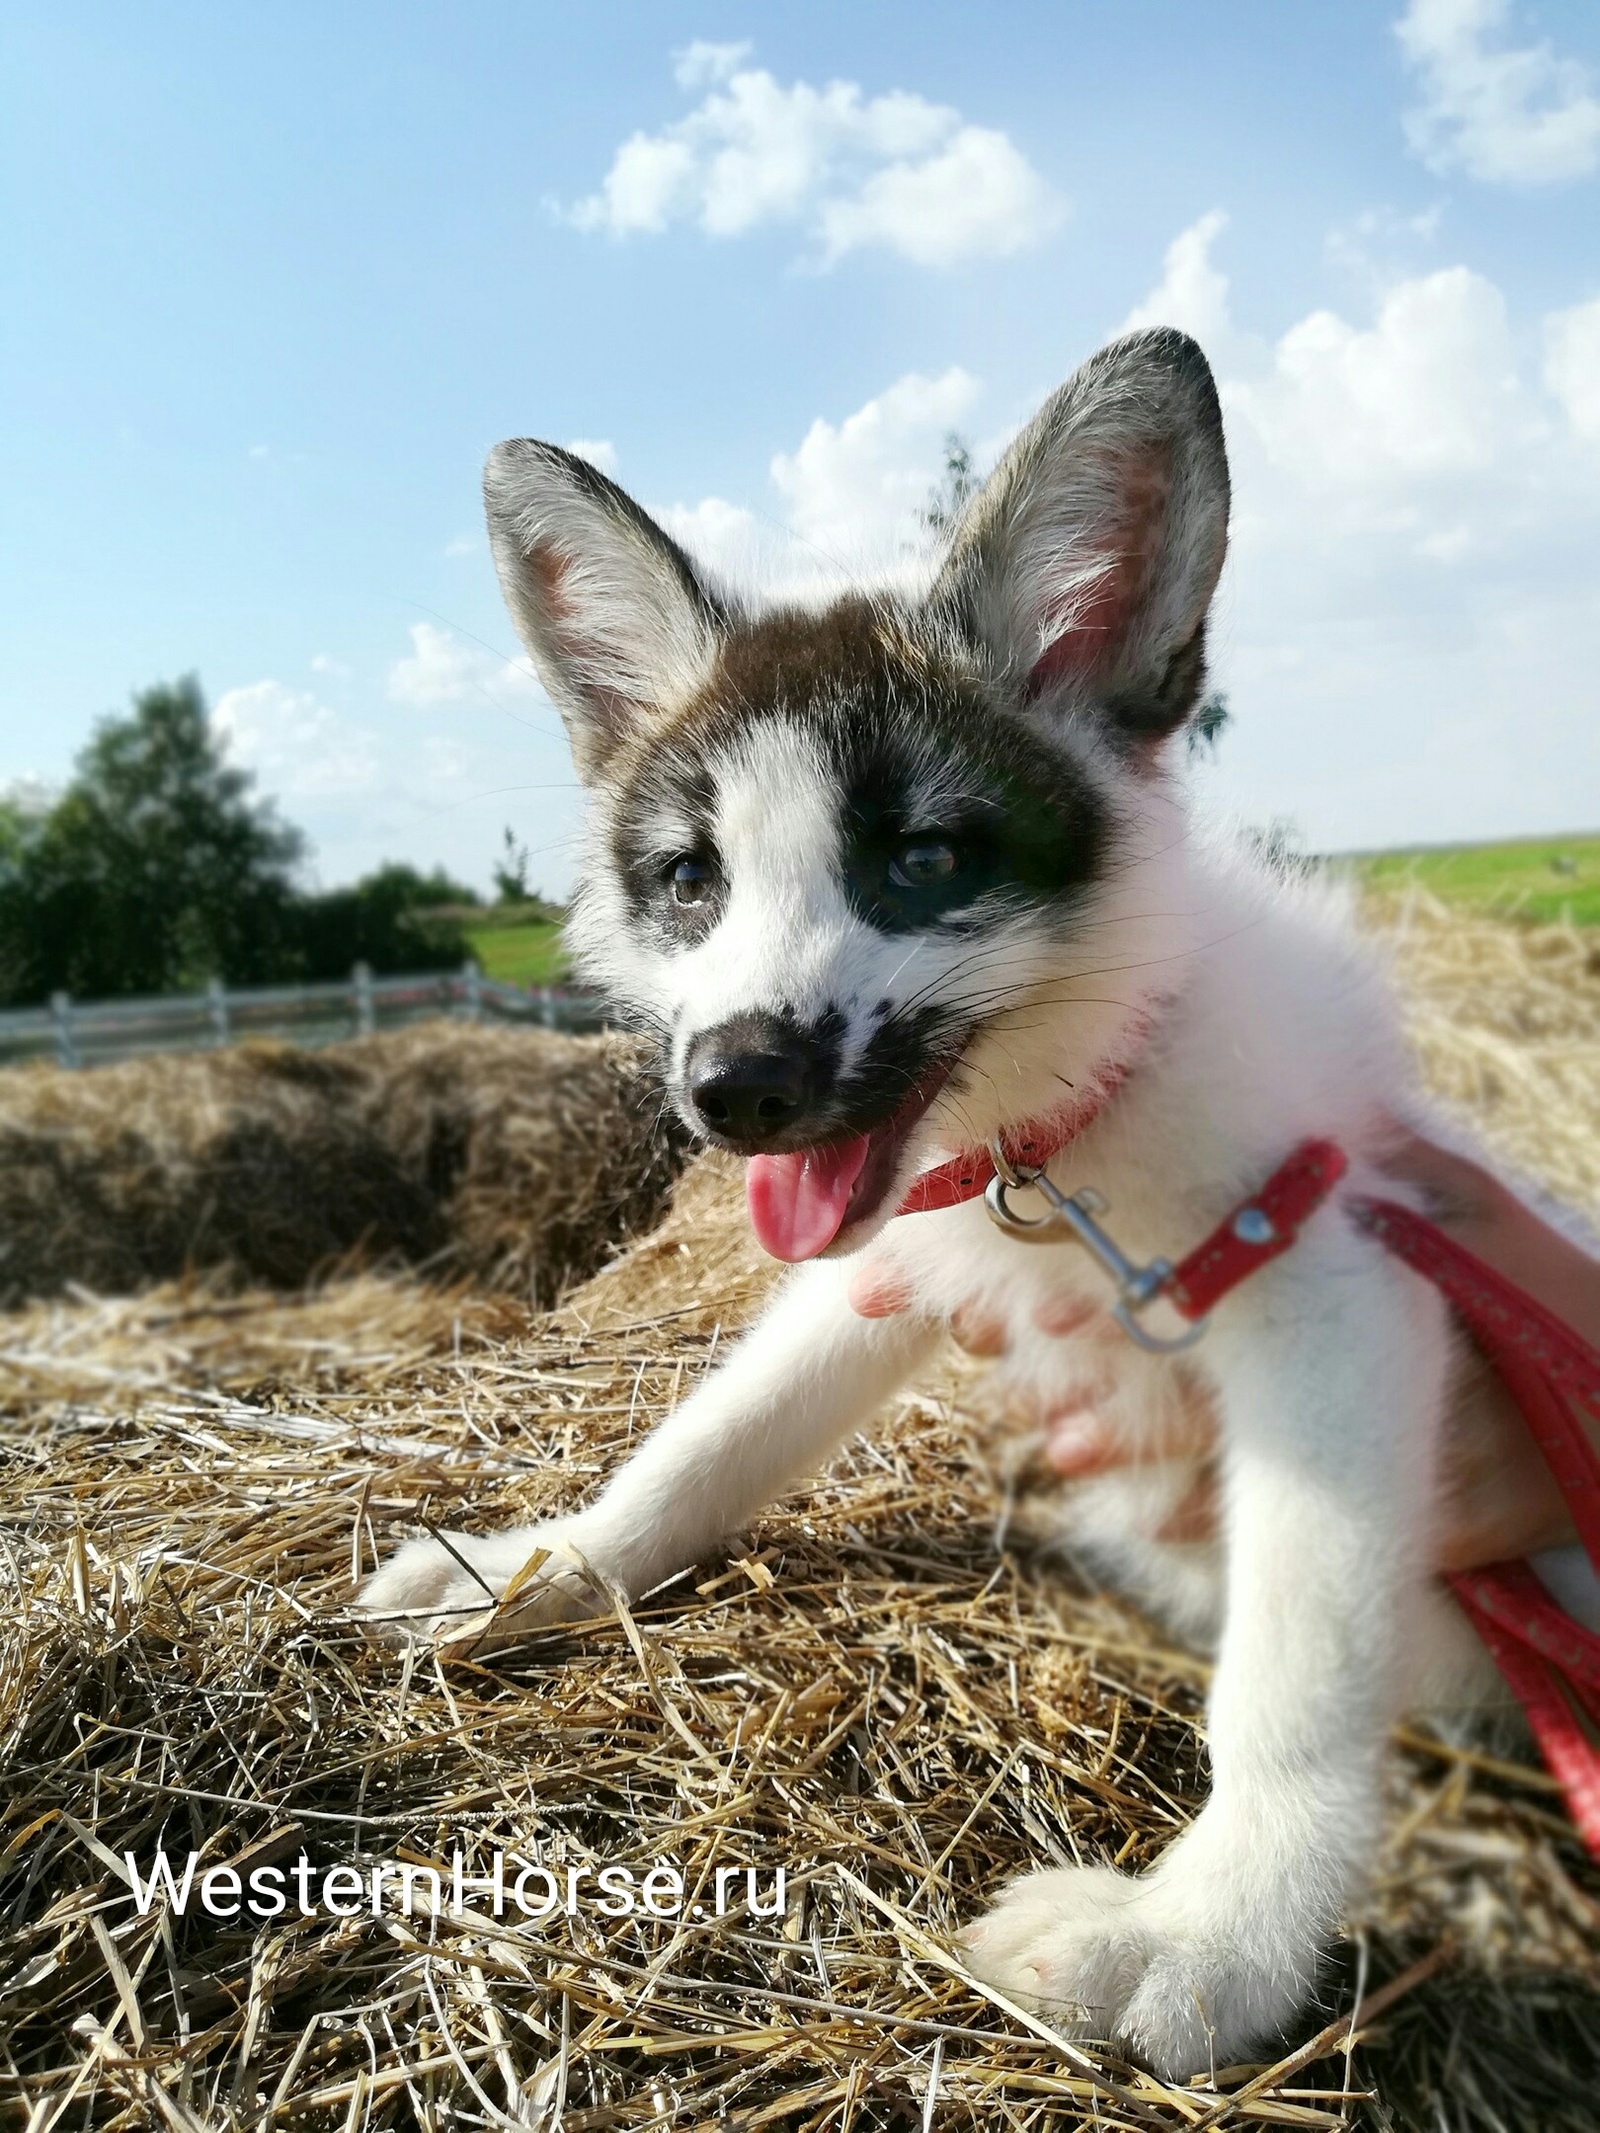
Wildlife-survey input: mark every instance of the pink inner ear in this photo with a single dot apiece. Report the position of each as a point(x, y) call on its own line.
point(549, 566)
point(1088, 622)
point(612, 706)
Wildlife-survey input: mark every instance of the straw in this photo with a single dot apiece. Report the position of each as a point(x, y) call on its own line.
point(863, 1690)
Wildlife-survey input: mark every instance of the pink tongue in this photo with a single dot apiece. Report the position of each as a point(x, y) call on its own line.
point(797, 1202)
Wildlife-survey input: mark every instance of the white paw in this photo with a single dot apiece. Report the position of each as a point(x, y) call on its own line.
point(456, 1594)
point(1108, 1956)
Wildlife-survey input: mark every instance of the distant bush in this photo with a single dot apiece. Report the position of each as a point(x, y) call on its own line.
point(395, 920)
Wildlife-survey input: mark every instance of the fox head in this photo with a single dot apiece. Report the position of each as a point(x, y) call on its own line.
point(886, 876)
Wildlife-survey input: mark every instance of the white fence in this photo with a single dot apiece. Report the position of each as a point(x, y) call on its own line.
point(88, 1032)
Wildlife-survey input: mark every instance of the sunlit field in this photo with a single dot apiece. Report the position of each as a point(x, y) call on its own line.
point(1539, 878)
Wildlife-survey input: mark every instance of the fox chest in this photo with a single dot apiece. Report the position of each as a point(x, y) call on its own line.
point(1043, 1312)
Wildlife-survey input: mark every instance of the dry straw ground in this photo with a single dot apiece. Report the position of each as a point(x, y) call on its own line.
point(875, 1690)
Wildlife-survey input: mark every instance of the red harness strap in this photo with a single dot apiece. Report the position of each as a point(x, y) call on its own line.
point(1551, 1663)
point(1257, 1230)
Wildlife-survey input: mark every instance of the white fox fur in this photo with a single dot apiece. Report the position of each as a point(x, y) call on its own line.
point(1249, 1018)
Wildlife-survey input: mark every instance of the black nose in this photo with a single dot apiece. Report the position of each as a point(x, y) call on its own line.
point(748, 1081)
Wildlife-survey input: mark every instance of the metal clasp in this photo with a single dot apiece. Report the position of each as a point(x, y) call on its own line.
point(1072, 1217)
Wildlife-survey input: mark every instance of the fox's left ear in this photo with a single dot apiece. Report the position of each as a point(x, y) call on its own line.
point(611, 608)
point(1085, 566)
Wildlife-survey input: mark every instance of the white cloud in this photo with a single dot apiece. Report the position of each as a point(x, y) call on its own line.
point(1518, 116)
point(440, 669)
point(1192, 293)
point(463, 544)
point(1374, 245)
point(891, 171)
point(1429, 388)
point(599, 451)
point(978, 198)
point(849, 497)
point(700, 62)
point(853, 490)
point(296, 746)
point(1406, 621)
point(1572, 365)
point(369, 784)
point(30, 796)
point(727, 538)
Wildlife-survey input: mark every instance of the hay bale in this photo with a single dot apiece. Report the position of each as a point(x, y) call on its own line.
point(518, 1158)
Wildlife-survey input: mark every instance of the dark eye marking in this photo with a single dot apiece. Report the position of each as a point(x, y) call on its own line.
point(662, 821)
point(1025, 832)
point(908, 874)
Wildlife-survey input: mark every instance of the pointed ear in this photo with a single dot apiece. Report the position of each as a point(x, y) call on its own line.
point(618, 623)
point(1085, 566)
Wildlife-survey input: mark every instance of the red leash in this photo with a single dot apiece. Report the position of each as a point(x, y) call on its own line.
point(1550, 1662)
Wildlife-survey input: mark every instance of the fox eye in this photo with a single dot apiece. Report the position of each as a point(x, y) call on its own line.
point(691, 881)
point(923, 863)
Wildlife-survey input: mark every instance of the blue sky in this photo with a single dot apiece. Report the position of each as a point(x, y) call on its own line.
point(276, 278)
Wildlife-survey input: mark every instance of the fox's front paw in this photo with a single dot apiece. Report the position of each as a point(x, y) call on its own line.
point(1112, 1957)
point(484, 1590)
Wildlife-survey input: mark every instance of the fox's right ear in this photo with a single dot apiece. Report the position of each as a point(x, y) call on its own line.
point(619, 625)
point(1086, 564)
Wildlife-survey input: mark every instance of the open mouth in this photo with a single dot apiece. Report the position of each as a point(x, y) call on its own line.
point(803, 1202)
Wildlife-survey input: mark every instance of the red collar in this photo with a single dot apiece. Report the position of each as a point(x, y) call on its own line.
point(965, 1177)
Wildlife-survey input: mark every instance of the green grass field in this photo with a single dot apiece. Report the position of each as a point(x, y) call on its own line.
point(525, 954)
point(1537, 878)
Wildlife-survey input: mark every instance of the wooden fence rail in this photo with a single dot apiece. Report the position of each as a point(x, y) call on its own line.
point(78, 1033)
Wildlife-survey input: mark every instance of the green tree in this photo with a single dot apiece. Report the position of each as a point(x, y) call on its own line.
point(511, 870)
point(954, 490)
point(19, 826)
point(1210, 721)
point(157, 868)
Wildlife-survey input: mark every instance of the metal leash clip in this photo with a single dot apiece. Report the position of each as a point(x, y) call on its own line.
point(1074, 1213)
